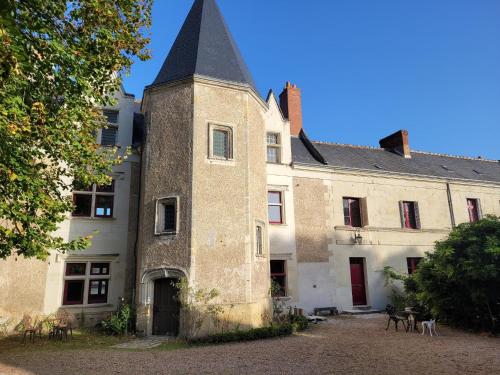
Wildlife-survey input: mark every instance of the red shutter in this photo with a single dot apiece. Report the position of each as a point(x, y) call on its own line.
point(417, 216)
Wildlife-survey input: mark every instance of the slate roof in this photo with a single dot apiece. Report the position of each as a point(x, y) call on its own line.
point(205, 47)
point(381, 160)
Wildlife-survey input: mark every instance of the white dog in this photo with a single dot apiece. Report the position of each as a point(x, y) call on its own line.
point(431, 325)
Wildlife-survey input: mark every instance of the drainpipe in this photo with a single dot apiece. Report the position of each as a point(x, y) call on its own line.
point(136, 243)
point(450, 205)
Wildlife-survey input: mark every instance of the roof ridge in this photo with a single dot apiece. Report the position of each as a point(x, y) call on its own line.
point(455, 156)
point(413, 151)
point(348, 145)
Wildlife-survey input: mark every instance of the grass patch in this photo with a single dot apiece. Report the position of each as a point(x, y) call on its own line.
point(82, 339)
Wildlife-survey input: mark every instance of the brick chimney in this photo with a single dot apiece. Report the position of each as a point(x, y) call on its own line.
point(291, 106)
point(398, 143)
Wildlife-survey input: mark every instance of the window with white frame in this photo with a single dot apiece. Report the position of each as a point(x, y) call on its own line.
point(86, 283)
point(166, 216)
point(273, 148)
point(94, 201)
point(275, 207)
point(221, 142)
point(109, 134)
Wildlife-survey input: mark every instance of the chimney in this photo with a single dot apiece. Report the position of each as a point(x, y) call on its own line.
point(397, 143)
point(291, 106)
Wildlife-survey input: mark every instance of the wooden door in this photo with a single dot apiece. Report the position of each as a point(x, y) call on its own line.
point(358, 281)
point(166, 308)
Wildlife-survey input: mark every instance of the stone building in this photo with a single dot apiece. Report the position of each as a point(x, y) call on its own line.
point(89, 283)
point(226, 190)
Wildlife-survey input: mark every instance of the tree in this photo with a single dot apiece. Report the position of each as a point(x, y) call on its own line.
point(60, 61)
point(460, 280)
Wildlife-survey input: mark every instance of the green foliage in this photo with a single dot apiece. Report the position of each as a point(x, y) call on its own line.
point(60, 61)
point(298, 322)
point(279, 303)
point(119, 322)
point(283, 329)
point(404, 291)
point(460, 280)
point(197, 306)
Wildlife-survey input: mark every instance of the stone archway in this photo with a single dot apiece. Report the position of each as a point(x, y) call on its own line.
point(161, 279)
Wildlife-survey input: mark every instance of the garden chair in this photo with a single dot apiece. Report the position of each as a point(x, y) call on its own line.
point(31, 327)
point(62, 323)
point(391, 312)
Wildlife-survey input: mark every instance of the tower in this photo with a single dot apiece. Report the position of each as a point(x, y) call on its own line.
point(203, 214)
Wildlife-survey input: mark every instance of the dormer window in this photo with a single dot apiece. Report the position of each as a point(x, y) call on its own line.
point(273, 148)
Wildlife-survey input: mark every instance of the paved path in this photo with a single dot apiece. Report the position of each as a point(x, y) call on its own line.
point(142, 344)
point(358, 345)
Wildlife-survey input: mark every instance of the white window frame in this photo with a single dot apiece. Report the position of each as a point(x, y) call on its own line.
point(276, 146)
point(281, 205)
point(159, 223)
point(86, 281)
point(226, 128)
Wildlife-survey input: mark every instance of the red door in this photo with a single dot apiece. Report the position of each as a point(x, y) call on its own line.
point(358, 281)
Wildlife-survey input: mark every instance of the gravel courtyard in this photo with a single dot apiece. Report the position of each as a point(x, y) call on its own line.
point(354, 345)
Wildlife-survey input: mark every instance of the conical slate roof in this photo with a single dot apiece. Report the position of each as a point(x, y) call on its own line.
point(205, 47)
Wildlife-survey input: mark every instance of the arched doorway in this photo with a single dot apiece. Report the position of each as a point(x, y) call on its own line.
point(159, 293)
point(166, 307)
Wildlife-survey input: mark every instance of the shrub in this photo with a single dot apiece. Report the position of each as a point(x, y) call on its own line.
point(119, 322)
point(460, 280)
point(283, 329)
point(298, 322)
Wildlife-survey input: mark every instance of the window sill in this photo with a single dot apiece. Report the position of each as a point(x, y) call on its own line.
point(90, 218)
point(260, 256)
point(166, 235)
point(389, 229)
point(226, 162)
point(279, 224)
point(88, 306)
point(283, 298)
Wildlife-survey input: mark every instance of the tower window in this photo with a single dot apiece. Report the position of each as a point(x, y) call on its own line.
point(259, 240)
point(166, 216)
point(221, 142)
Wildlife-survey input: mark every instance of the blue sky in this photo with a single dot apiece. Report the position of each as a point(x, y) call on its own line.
point(367, 68)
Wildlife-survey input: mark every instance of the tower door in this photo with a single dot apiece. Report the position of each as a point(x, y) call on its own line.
point(166, 308)
point(358, 281)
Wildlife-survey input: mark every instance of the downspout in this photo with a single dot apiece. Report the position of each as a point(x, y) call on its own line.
point(137, 226)
point(450, 205)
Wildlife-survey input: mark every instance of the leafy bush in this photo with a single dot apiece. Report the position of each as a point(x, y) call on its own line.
point(298, 322)
point(119, 322)
point(284, 329)
point(460, 280)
